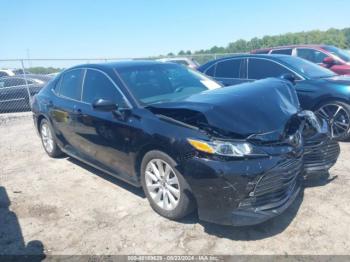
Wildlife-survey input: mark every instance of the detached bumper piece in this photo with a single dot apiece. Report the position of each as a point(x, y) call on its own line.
point(320, 156)
point(274, 192)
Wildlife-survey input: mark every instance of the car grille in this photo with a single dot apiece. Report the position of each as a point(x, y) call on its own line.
point(320, 155)
point(275, 187)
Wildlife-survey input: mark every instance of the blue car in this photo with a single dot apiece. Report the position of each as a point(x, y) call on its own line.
point(318, 88)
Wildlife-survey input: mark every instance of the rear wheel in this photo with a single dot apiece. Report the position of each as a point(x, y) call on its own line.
point(337, 114)
point(48, 139)
point(166, 189)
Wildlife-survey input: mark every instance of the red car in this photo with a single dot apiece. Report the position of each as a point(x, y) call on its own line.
point(334, 58)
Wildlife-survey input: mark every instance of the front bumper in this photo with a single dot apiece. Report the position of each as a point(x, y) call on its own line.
point(245, 217)
point(243, 192)
point(250, 191)
point(320, 155)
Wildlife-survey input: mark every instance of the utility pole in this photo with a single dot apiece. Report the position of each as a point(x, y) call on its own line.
point(28, 57)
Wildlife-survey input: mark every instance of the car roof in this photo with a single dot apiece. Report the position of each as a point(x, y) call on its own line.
point(121, 64)
point(173, 58)
point(290, 46)
point(267, 56)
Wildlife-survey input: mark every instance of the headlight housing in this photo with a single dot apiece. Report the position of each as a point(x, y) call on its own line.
point(312, 119)
point(223, 148)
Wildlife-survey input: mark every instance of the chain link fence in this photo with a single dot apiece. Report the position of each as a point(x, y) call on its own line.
point(21, 79)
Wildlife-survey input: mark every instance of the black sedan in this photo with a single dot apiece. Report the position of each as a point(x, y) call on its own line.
point(318, 88)
point(235, 154)
point(16, 90)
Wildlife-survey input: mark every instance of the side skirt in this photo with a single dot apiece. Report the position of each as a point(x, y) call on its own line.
point(122, 177)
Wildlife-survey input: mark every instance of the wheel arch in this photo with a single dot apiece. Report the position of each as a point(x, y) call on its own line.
point(144, 150)
point(40, 118)
point(329, 99)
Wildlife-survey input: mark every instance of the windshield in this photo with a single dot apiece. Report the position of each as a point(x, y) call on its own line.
point(164, 82)
point(342, 54)
point(306, 68)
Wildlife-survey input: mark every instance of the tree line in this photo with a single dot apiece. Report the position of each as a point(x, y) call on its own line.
point(43, 70)
point(336, 37)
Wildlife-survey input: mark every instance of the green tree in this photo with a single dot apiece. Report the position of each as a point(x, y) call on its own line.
point(43, 70)
point(337, 37)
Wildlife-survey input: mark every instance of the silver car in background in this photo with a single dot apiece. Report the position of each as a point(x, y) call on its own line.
point(189, 62)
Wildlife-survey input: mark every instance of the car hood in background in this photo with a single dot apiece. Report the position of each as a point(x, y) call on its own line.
point(261, 107)
point(343, 80)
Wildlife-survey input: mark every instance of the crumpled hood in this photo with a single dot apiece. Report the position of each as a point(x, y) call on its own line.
point(264, 106)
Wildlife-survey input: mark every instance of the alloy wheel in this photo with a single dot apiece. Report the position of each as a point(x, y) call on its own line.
point(162, 184)
point(46, 136)
point(337, 117)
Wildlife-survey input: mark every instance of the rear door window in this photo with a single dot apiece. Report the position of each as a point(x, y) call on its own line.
point(261, 68)
point(228, 68)
point(71, 82)
point(262, 51)
point(312, 55)
point(287, 51)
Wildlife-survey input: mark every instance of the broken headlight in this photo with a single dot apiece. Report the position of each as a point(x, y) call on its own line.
point(311, 118)
point(223, 148)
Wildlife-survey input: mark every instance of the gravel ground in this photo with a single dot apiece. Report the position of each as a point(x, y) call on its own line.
point(61, 206)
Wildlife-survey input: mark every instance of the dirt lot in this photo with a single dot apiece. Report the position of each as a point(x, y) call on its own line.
point(65, 207)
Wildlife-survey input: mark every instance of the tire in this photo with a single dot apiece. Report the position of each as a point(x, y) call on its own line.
point(340, 123)
point(185, 202)
point(48, 139)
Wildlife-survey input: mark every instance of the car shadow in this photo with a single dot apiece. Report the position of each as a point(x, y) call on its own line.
point(12, 245)
point(135, 190)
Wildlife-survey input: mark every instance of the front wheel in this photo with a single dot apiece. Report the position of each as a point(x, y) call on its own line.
point(337, 114)
point(166, 189)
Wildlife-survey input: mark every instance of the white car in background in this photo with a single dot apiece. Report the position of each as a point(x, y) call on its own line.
point(6, 72)
point(12, 72)
point(191, 63)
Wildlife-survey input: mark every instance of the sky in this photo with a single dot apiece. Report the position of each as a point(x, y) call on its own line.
point(139, 28)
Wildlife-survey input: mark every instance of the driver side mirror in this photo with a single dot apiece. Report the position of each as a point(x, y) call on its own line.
point(329, 61)
point(104, 105)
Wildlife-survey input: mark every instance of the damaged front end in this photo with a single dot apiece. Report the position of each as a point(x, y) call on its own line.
point(321, 152)
point(254, 147)
point(275, 190)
